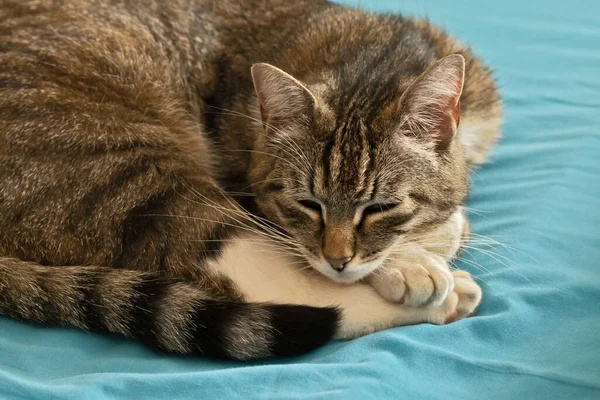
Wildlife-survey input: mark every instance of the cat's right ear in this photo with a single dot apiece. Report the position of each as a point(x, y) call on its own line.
point(283, 99)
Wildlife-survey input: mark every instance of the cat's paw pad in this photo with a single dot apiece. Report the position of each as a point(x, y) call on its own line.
point(428, 282)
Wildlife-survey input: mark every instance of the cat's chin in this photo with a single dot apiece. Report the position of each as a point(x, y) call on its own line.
point(351, 274)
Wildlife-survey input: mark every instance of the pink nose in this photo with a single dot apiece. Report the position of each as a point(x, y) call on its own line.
point(338, 263)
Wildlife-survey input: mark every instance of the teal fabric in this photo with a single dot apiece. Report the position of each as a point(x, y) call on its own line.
point(537, 333)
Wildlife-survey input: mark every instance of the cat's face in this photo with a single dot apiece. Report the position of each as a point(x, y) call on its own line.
point(346, 184)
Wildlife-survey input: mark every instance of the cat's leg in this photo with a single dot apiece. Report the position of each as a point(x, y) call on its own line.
point(365, 311)
point(417, 272)
point(262, 274)
point(416, 279)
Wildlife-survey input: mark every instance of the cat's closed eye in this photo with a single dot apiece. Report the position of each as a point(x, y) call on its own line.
point(378, 208)
point(311, 205)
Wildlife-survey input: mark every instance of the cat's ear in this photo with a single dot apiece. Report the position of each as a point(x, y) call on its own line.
point(283, 99)
point(430, 106)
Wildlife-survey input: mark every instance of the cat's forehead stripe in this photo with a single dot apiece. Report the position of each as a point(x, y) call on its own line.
point(346, 162)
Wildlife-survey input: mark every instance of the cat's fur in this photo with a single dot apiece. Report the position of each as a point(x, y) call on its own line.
point(123, 124)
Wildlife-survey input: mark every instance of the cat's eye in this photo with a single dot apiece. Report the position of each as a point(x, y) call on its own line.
point(379, 208)
point(311, 205)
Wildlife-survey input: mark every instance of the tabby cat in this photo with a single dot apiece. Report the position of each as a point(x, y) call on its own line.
point(235, 178)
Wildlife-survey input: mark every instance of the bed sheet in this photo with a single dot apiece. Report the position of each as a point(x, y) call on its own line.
point(537, 333)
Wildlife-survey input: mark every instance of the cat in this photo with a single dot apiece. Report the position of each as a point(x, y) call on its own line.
point(238, 179)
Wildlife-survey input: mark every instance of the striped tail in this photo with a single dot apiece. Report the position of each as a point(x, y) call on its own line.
point(171, 315)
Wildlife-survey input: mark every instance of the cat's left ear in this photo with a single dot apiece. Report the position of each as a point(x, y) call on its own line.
point(430, 106)
point(283, 99)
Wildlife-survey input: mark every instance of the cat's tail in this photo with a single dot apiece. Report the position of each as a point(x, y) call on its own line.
point(171, 315)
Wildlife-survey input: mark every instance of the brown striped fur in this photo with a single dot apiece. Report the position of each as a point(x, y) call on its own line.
point(125, 124)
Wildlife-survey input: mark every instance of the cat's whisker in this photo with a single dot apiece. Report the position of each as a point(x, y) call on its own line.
point(239, 194)
point(274, 234)
point(275, 251)
point(308, 267)
point(212, 204)
point(498, 260)
point(265, 242)
point(473, 172)
point(287, 162)
point(260, 182)
point(289, 145)
point(478, 210)
point(470, 211)
point(495, 256)
point(508, 247)
point(298, 151)
point(490, 242)
point(474, 264)
point(255, 231)
point(474, 276)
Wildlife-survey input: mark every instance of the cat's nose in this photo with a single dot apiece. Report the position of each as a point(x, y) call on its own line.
point(338, 263)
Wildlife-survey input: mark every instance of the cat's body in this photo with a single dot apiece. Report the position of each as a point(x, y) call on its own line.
point(123, 123)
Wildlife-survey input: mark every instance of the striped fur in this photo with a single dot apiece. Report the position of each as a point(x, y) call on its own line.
point(134, 141)
point(163, 313)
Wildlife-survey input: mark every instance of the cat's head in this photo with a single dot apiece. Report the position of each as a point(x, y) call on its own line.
point(347, 178)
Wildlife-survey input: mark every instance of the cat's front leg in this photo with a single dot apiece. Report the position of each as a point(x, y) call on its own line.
point(417, 274)
point(415, 281)
point(427, 284)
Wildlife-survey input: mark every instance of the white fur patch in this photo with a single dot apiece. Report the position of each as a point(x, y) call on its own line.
point(444, 241)
point(263, 275)
point(477, 135)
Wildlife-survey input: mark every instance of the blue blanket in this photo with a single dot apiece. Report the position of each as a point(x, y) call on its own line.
point(537, 333)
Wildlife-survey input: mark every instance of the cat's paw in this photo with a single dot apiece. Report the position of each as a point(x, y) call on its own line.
point(415, 284)
point(461, 303)
point(469, 294)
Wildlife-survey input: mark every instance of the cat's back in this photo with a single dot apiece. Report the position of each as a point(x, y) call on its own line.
point(94, 96)
point(110, 45)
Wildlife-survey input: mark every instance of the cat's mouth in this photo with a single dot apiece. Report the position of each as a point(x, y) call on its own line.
point(352, 273)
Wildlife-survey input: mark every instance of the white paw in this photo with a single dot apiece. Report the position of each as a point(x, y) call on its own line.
point(415, 284)
point(460, 303)
point(469, 293)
